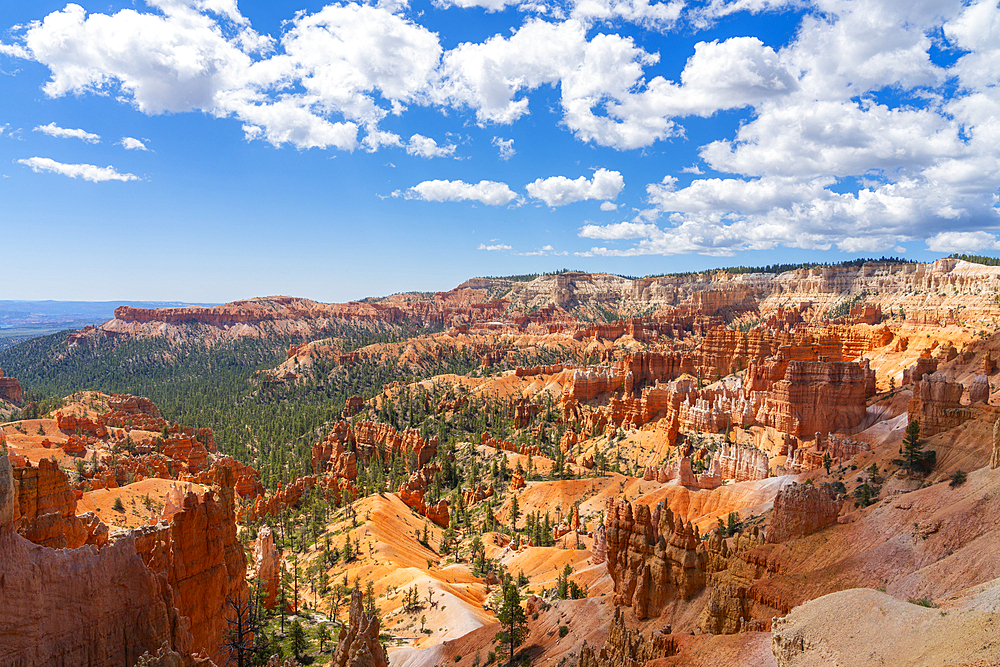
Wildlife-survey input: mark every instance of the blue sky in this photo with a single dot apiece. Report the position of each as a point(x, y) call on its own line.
point(204, 150)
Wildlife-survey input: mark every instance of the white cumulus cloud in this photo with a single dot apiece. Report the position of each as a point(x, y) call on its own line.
point(132, 144)
point(87, 172)
point(422, 146)
point(490, 193)
point(962, 242)
point(505, 146)
point(559, 190)
point(54, 130)
point(498, 246)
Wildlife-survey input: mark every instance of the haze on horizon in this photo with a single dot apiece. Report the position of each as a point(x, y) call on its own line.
point(209, 150)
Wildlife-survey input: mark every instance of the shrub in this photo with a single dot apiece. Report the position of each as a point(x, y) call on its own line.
point(957, 478)
point(563, 631)
point(118, 506)
point(925, 601)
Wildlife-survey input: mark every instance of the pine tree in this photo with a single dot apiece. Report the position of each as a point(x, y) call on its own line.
point(513, 620)
point(515, 514)
point(298, 639)
point(914, 460)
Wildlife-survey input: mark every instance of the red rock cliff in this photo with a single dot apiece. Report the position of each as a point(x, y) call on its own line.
point(653, 557)
point(47, 507)
point(803, 509)
point(200, 558)
point(10, 389)
point(80, 606)
point(803, 398)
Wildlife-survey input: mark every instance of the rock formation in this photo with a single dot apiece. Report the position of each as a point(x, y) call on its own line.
point(200, 558)
point(741, 463)
point(937, 404)
point(47, 507)
point(653, 557)
point(361, 646)
point(805, 397)
point(995, 459)
point(330, 454)
point(413, 491)
point(979, 390)
point(266, 564)
point(73, 423)
point(627, 648)
point(81, 606)
point(924, 366)
point(367, 437)
point(352, 406)
point(10, 389)
point(291, 496)
point(600, 548)
point(803, 509)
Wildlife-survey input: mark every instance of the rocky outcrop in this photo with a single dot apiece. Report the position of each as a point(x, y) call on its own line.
point(924, 366)
point(361, 646)
point(517, 481)
point(352, 406)
point(133, 405)
point(505, 446)
point(736, 603)
point(803, 509)
point(625, 647)
point(478, 493)
point(97, 530)
point(995, 458)
point(9, 509)
point(413, 493)
point(47, 507)
point(81, 606)
point(10, 389)
point(76, 423)
point(653, 557)
point(368, 436)
point(291, 496)
point(801, 398)
point(979, 390)
point(589, 383)
point(186, 450)
point(740, 463)
point(201, 559)
point(266, 564)
point(331, 455)
point(937, 405)
point(600, 548)
point(247, 479)
point(522, 411)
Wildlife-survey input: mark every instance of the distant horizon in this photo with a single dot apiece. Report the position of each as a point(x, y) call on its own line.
point(208, 304)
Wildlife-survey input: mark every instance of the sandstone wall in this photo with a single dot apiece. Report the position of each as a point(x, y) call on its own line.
point(10, 389)
point(47, 507)
point(801, 398)
point(936, 404)
point(653, 557)
point(79, 606)
point(803, 509)
point(200, 558)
